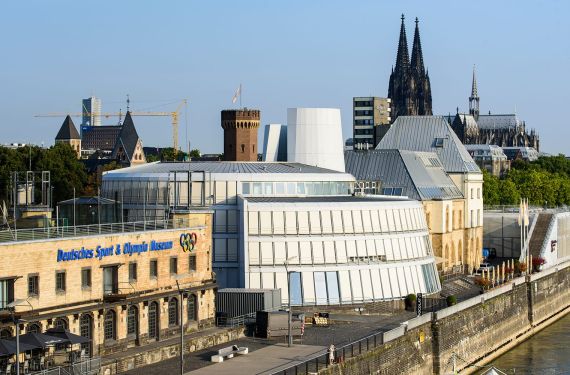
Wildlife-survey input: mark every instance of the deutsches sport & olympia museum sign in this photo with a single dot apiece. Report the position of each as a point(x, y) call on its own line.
point(187, 243)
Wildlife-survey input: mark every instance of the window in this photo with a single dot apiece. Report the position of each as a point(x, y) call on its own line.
point(85, 330)
point(173, 266)
point(132, 320)
point(86, 278)
point(60, 323)
point(5, 333)
point(33, 285)
point(192, 263)
point(60, 281)
point(439, 142)
point(192, 307)
point(132, 271)
point(153, 269)
point(34, 328)
point(6, 292)
point(173, 312)
point(109, 325)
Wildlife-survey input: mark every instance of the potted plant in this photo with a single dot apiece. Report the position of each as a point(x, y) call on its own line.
point(509, 271)
point(522, 267)
point(537, 264)
point(451, 300)
point(410, 302)
point(483, 283)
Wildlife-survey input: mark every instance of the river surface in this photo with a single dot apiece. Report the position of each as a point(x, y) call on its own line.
point(547, 352)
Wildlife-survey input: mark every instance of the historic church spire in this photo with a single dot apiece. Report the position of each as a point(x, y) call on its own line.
point(474, 98)
point(402, 58)
point(417, 56)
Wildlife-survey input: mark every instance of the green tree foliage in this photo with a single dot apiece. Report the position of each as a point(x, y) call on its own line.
point(195, 153)
point(545, 181)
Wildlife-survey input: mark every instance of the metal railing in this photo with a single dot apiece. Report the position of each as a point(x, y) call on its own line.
point(88, 230)
point(89, 366)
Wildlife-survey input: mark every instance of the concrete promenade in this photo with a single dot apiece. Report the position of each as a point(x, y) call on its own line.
point(263, 361)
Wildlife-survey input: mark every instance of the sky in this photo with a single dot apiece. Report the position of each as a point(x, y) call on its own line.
point(294, 53)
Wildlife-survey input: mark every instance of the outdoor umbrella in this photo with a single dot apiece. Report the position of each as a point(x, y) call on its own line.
point(69, 337)
point(8, 347)
point(40, 340)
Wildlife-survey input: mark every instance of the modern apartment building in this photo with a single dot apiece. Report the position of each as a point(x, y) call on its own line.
point(371, 120)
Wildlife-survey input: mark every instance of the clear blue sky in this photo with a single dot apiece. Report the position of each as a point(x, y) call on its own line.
point(285, 53)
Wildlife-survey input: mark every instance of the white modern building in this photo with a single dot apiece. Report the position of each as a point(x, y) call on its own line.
point(275, 143)
point(265, 213)
point(314, 137)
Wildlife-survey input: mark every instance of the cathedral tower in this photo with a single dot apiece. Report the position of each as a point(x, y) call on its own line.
point(409, 86)
point(474, 98)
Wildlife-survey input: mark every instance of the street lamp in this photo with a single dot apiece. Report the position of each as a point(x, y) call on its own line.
point(12, 307)
point(289, 314)
point(181, 293)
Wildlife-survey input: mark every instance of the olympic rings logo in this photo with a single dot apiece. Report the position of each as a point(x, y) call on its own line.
point(188, 241)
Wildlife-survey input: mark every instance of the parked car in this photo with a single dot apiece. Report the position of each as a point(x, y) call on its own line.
point(483, 267)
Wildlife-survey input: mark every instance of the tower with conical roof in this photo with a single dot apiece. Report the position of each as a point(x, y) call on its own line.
point(68, 134)
point(474, 98)
point(128, 148)
point(409, 86)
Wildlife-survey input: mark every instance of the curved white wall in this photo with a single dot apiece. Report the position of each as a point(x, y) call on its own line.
point(314, 137)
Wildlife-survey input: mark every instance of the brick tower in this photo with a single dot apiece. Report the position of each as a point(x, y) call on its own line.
point(240, 134)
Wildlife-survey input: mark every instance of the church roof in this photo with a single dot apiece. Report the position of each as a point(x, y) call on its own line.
point(420, 175)
point(501, 121)
point(429, 134)
point(128, 137)
point(67, 130)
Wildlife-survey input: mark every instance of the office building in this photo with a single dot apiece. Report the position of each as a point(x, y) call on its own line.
point(91, 109)
point(371, 120)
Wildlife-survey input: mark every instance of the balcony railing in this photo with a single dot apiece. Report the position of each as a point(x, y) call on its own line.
point(88, 230)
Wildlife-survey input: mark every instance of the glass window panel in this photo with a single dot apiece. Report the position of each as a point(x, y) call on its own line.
point(326, 188)
point(380, 251)
point(220, 221)
point(220, 250)
point(291, 222)
point(268, 188)
point(296, 291)
point(404, 289)
point(280, 188)
point(320, 288)
point(291, 188)
point(318, 252)
point(356, 284)
point(308, 287)
point(315, 222)
point(220, 192)
point(370, 248)
point(232, 192)
point(232, 249)
point(257, 188)
point(367, 292)
point(253, 249)
point(332, 288)
point(385, 280)
point(232, 221)
point(403, 248)
point(394, 283)
point(278, 222)
point(253, 219)
point(376, 284)
point(245, 188)
point(281, 283)
point(300, 188)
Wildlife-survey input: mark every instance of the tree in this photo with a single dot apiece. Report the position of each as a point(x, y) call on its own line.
point(195, 153)
point(490, 188)
point(508, 193)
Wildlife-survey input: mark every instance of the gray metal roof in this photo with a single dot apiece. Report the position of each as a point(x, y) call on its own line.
point(429, 134)
point(224, 167)
point(419, 174)
point(500, 121)
point(326, 199)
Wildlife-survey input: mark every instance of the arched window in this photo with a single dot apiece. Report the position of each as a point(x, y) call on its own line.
point(60, 323)
point(192, 307)
point(109, 325)
point(153, 323)
point(242, 147)
point(86, 330)
point(5, 333)
point(132, 320)
point(173, 312)
point(34, 328)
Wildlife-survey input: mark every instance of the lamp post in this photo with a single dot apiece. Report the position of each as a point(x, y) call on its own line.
point(181, 293)
point(289, 313)
point(12, 307)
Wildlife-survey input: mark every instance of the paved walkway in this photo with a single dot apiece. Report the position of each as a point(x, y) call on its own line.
point(262, 361)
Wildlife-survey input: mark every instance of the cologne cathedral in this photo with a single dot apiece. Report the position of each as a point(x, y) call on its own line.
point(409, 87)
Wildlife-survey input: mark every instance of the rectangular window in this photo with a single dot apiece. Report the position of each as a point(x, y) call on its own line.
point(153, 269)
point(60, 281)
point(192, 263)
point(86, 278)
point(33, 285)
point(173, 266)
point(132, 271)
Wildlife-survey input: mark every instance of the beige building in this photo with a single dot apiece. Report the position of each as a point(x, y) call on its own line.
point(118, 288)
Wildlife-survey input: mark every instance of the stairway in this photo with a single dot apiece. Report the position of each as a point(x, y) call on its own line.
point(540, 229)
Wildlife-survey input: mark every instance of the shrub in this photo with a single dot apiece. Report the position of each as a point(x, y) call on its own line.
point(509, 270)
point(485, 283)
point(538, 261)
point(410, 301)
point(451, 300)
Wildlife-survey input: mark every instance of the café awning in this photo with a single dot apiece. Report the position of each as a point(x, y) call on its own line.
point(69, 337)
point(8, 347)
point(40, 340)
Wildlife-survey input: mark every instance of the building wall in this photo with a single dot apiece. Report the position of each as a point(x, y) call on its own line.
point(78, 300)
point(240, 134)
point(341, 253)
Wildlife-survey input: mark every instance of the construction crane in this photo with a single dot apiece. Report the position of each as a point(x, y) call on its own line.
point(174, 115)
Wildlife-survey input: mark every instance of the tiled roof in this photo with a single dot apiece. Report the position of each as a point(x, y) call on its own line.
point(67, 130)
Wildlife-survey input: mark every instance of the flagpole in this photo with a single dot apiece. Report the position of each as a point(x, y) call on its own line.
point(240, 95)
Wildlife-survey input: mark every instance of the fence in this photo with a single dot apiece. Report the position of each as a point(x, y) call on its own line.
point(85, 367)
point(88, 230)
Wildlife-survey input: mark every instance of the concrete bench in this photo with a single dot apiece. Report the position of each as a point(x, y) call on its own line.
point(229, 352)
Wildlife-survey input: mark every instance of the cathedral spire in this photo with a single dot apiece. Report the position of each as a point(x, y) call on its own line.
point(474, 98)
point(402, 58)
point(417, 56)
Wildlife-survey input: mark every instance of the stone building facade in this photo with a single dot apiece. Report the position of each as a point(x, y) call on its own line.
point(117, 289)
point(240, 134)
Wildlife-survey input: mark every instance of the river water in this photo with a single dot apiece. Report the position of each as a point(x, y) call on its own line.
point(547, 352)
